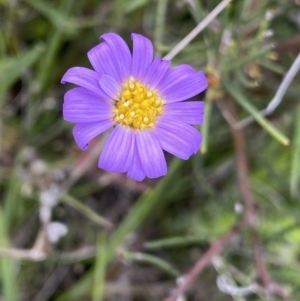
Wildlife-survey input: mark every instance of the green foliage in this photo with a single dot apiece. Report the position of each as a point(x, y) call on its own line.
point(133, 240)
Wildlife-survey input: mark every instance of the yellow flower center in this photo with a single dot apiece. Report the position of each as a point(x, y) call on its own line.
point(138, 106)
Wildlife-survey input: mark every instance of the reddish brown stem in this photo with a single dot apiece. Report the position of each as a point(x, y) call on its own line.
point(248, 220)
point(249, 217)
point(216, 247)
point(241, 164)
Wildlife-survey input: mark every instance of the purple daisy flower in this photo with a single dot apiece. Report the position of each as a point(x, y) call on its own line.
point(141, 99)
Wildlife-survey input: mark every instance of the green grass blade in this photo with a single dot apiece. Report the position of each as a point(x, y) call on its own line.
point(160, 22)
point(295, 168)
point(142, 208)
point(14, 70)
point(173, 242)
point(134, 5)
point(88, 212)
point(55, 16)
point(153, 260)
point(205, 127)
point(100, 268)
point(231, 65)
point(80, 289)
point(8, 278)
point(13, 206)
point(246, 104)
point(54, 41)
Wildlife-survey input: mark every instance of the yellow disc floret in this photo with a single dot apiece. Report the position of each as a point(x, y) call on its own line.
point(138, 105)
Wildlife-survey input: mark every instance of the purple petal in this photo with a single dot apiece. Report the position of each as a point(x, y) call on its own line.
point(180, 85)
point(175, 75)
point(102, 60)
point(117, 154)
point(84, 132)
point(120, 54)
point(172, 75)
point(142, 56)
point(151, 154)
point(191, 112)
point(110, 86)
point(178, 138)
point(156, 72)
point(81, 105)
point(136, 171)
point(85, 78)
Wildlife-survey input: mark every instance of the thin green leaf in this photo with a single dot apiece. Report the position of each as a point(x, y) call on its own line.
point(54, 41)
point(147, 258)
point(13, 205)
point(143, 207)
point(134, 5)
point(205, 127)
point(55, 16)
point(7, 274)
point(80, 289)
point(174, 242)
point(160, 21)
point(295, 166)
point(100, 268)
point(237, 63)
point(88, 212)
point(14, 69)
point(246, 104)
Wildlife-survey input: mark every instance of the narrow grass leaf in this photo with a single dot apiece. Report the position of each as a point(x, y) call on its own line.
point(143, 207)
point(85, 210)
point(246, 104)
point(272, 66)
point(153, 260)
point(12, 205)
point(100, 268)
point(238, 63)
point(77, 291)
point(295, 168)
point(174, 242)
point(205, 127)
point(15, 68)
point(133, 5)
point(245, 80)
point(7, 276)
point(54, 41)
point(55, 16)
point(160, 22)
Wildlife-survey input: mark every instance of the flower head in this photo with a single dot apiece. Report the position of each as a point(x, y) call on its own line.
point(141, 99)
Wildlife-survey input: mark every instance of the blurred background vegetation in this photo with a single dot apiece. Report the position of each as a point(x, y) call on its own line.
point(69, 231)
